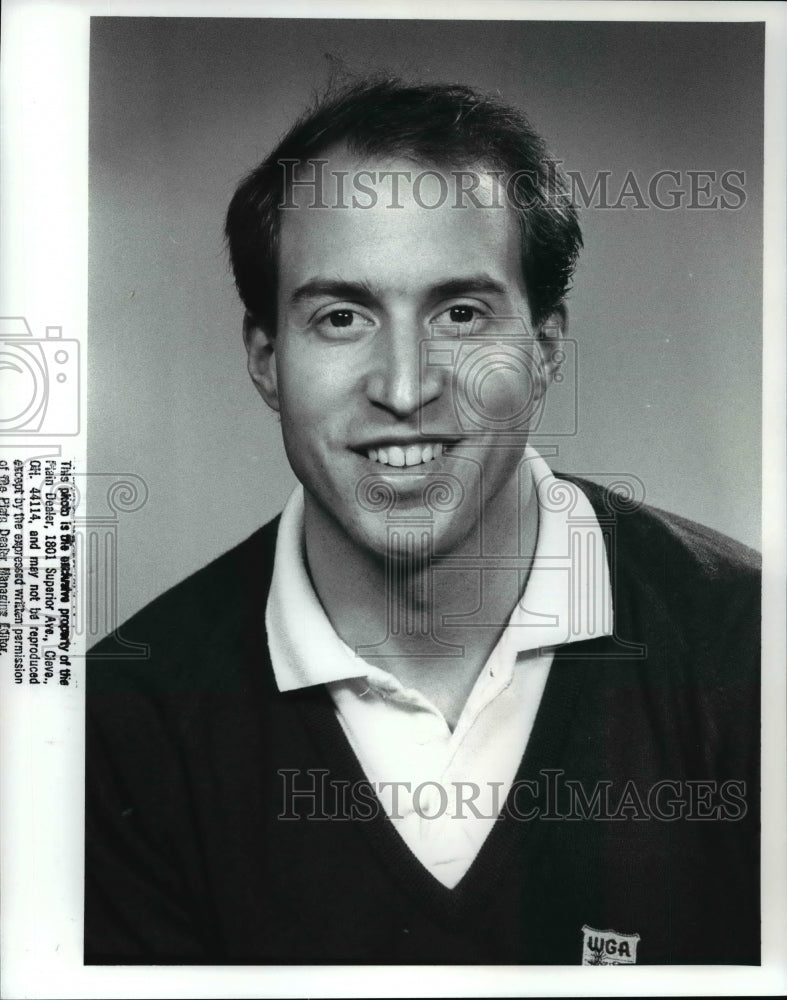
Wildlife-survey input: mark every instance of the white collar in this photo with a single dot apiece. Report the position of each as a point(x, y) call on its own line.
point(567, 598)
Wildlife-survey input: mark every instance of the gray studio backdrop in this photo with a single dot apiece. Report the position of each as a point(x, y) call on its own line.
point(666, 306)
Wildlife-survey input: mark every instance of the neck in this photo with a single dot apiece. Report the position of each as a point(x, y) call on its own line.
point(391, 606)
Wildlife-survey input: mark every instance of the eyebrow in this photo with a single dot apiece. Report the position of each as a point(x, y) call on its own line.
point(317, 288)
point(362, 291)
point(473, 283)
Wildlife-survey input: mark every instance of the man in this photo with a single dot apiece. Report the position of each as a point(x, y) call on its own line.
point(449, 708)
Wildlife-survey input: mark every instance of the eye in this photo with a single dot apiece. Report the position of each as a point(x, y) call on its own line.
point(341, 317)
point(344, 320)
point(463, 314)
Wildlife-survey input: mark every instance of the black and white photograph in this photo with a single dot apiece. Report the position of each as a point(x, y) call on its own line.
point(412, 595)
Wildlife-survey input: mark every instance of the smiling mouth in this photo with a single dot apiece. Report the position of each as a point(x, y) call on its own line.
point(399, 456)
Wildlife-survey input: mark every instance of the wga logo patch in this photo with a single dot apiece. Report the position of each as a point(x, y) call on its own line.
point(608, 947)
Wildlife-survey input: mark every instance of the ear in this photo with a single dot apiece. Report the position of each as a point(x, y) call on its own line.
point(260, 347)
point(550, 333)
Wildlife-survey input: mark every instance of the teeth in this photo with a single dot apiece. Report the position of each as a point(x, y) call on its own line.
point(414, 454)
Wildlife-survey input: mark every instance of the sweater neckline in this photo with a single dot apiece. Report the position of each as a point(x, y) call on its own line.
point(574, 669)
point(509, 836)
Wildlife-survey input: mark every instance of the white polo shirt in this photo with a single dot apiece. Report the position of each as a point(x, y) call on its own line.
point(443, 790)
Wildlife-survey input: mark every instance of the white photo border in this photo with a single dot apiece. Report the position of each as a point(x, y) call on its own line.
point(44, 66)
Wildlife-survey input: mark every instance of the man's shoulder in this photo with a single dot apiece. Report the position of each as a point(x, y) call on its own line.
point(206, 613)
point(215, 589)
point(661, 541)
point(689, 595)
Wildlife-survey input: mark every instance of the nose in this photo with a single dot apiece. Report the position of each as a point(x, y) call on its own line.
point(399, 380)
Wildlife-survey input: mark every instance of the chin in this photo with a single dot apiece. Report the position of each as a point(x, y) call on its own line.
point(409, 539)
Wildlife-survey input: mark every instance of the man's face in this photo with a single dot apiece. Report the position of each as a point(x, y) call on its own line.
point(364, 293)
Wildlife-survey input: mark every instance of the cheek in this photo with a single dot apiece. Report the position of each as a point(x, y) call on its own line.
point(310, 409)
point(317, 386)
point(498, 391)
point(300, 389)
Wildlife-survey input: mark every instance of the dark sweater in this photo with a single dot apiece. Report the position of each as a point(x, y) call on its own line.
point(188, 860)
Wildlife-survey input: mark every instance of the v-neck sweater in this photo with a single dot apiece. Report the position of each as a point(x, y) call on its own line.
point(443, 787)
point(634, 810)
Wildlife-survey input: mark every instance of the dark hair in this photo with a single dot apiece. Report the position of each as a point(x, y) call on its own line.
point(436, 124)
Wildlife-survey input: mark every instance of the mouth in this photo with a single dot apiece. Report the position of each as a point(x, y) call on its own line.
point(401, 456)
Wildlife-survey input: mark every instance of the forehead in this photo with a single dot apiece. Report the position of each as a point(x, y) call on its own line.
point(396, 223)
